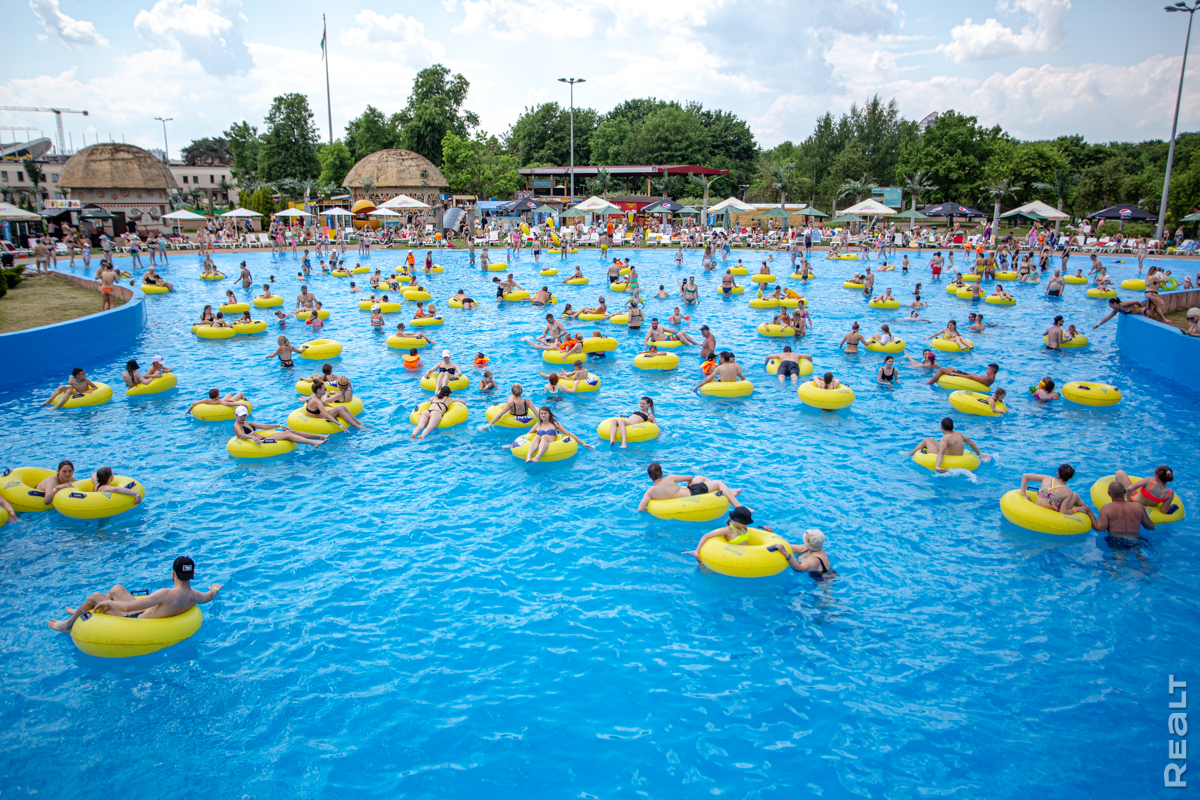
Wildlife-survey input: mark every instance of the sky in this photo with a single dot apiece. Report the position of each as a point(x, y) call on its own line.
point(1104, 69)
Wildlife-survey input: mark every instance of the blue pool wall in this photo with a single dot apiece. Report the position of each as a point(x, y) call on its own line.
point(1163, 349)
point(33, 354)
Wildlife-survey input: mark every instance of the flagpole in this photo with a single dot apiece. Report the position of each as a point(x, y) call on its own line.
point(328, 101)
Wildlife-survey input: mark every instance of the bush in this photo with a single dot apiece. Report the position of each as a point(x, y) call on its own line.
point(12, 277)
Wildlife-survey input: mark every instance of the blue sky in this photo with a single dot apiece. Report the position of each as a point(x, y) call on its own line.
point(1041, 68)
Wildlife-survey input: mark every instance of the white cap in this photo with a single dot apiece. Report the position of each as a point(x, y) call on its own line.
point(445, 354)
point(156, 360)
point(813, 537)
point(374, 308)
point(1193, 312)
point(241, 411)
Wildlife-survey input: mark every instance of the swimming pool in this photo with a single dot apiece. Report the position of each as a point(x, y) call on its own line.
point(439, 620)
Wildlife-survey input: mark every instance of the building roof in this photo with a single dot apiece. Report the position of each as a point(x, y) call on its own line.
point(395, 169)
point(115, 166)
point(644, 171)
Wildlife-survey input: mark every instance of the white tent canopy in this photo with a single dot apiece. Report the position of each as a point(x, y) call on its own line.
point(405, 202)
point(241, 212)
point(336, 212)
point(1043, 210)
point(869, 208)
point(383, 212)
point(594, 204)
point(183, 215)
point(292, 212)
point(733, 204)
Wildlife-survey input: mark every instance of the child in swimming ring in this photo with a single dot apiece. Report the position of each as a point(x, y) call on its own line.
point(487, 383)
point(413, 360)
point(281, 318)
point(376, 317)
point(1044, 390)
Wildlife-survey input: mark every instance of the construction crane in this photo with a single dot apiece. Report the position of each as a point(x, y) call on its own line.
point(57, 112)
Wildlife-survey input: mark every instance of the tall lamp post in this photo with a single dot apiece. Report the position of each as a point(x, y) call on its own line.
point(574, 81)
point(1162, 206)
point(167, 148)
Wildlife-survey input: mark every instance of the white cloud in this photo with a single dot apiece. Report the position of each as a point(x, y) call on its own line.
point(401, 36)
point(74, 33)
point(208, 32)
point(579, 19)
point(991, 39)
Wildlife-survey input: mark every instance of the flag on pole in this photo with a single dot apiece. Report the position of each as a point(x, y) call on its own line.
point(323, 42)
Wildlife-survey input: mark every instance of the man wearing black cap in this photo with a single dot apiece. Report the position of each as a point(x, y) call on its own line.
point(120, 602)
point(739, 519)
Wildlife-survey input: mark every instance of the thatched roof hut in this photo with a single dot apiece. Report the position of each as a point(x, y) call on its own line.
point(393, 172)
point(115, 166)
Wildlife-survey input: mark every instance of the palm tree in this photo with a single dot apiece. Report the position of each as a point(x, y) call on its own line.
point(996, 192)
point(857, 188)
point(917, 185)
point(1060, 185)
point(225, 186)
point(781, 177)
point(36, 176)
point(601, 184)
point(704, 182)
point(368, 186)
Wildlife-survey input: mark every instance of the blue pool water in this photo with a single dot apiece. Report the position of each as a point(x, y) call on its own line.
point(439, 620)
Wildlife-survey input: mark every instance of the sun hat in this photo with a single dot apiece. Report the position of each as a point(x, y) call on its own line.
point(814, 538)
point(1193, 312)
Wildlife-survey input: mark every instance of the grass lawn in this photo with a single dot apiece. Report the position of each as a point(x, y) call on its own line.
point(44, 300)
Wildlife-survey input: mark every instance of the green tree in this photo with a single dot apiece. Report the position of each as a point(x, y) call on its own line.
point(996, 192)
point(33, 171)
point(952, 151)
point(244, 145)
point(336, 161)
point(601, 184)
point(479, 167)
point(543, 134)
point(289, 146)
point(261, 200)
point(669, 135)
point(370, 132)
point(608, 141)
point(435, 108)
point(207, 152)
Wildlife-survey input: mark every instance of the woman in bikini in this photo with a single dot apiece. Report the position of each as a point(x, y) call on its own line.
point(928, 360)
point(645, 413)
point(245, 429)
point(321, 406)
point(1151, 492)
point(545, 431)
point(517, 405)
point(432, 417)
point(1053, 492)
point(285, 351)
point(207, 317)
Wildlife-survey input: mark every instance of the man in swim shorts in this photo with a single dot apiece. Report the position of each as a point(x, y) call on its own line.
point(305, 299)
point(1121, 519)
point(120, 602)
point(709, 345)
point(657, 333)
point(789, 362)
point(666, 487)
point(952, 443)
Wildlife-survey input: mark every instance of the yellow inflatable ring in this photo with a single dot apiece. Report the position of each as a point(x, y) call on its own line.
point(997, 300)
point(246, 448)
point(970, 276)
point(415, 294)
point(1076, 279)
point(456, 414)
point(964, 294)
point(340, 273)
point(454, 302)
point(590, 317)
point(301, 420)
point(1100, 497)
point(355, 405)
point(217, 412)
point(619, 319)
point(577, 281)
point(1101, 294)
point(246, 328)
point(108, 636)
point(97, 397)
point(425, 322)
point(365, 270)
point(954, 382)
point(764, 302)
point(949, 346)
point(508, 420)
point(697, 508)
point(760, 278)
point(494, 267)
point(952, 289)
point(589, 384)
point(406, 342)
point(1029, 515)
point(968, 460)
point(304, 387)
point(153, 288)
point(1007, 275)
point(1075, 342)
point(805, 366)
point(561, 357)
point(457, 383)
point(217, 277)
point(563, 447)
point(888, 304)
point(728, 389)
point(634, 431)
point(1088, 393)
point(515, 295)
point(851, 257)
point(19, 488)
point(977, 403)
point(624, 271)
point(81, 502)
point(322, 314)
point(163, 383)
point(827, 399)
point(234, 308)
point(894, 346)
point(1133, 284)
point(853, 285)
point(659, 361)
point(268, 302)
point(546, 271)
point(600, 344)
point(748, 560)
point(209, 332)
point(390, 307)
point(738, 271)
point(793, 302)
point(736, 290)
point(775, 331)
point(320, 349)
point(619, 286)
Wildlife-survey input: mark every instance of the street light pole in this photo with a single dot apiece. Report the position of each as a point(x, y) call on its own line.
point(167, 147)
point(1162, 206)
point(574, 81)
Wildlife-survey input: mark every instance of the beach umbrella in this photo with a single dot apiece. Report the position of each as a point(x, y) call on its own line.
point(336, 212)
point(688, 210)
point(519, 206)
point(732, 204)
point(869, 208)
point(664, 206)
point(292, 212)
point(953, 210)
point(241, 212)
point(570, 212)
point(776, 211)
point(545, 209)
point(9, 211)
point(845, 219)
point(1123, 212)
point(1020, 213)
point(403, 201)
point(810, 211)
point(1192, 217)
point(383, 212)
point(183, 215)
point(97, 213)
point(1044, 210)
point(597, 204)
point(913, 215)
